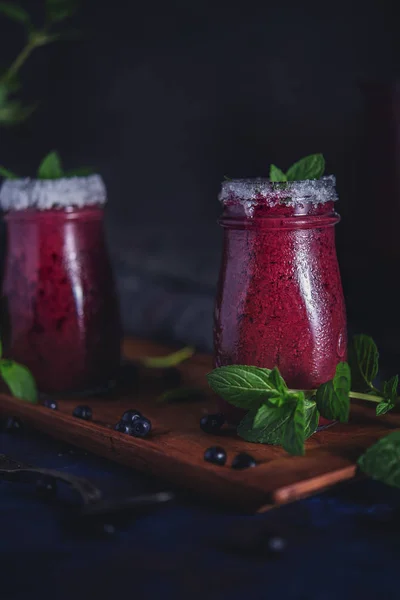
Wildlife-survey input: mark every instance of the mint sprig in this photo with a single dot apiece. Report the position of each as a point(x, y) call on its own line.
point(382, 460)
point(332, 397)
point(51, 168)
point(281, 416)
point(18, 378)
point(309, 167)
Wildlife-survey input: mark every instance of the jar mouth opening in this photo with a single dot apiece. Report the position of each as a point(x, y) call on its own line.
point(262, 191)
point(44, 194)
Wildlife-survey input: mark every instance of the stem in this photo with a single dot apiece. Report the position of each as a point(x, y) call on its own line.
point(355, 395)
point(369, 397)
point(19, 61)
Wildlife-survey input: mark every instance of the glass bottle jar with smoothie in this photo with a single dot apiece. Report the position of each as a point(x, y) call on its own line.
point(60, 313)
point(280, 300)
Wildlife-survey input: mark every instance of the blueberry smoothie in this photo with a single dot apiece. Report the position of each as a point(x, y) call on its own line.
point(60, 311)
point(280, 300)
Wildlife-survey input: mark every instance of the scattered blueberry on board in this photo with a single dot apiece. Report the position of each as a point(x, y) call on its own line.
point(50, 403)
point(130, 416)
point(83, 412)
point(243, 461)
point(212, 423)
point(215, 455)
point(123, 427)
point(141, 427)
point(46, 486)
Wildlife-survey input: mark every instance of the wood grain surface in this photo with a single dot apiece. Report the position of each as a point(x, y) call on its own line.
point(175, 448)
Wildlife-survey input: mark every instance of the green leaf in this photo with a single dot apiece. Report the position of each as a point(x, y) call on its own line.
point(383, 407)
point(183, 393)
point(243, 386)
point(1, 348)
point(7, 174)
point(271, 422)
point(382, 460)
point(59, 10)
point(15, 12)
point(277, 381)
point(13, 112)
point(50, 167)
point(294, 432)
point(310, 167)
point(363, 361)
point(170, 360)
point(332, 397)
point(276, 175)
point(20, 380)
point(82, 172)
point(389, 396)
point(390, 388)
point(311, 417)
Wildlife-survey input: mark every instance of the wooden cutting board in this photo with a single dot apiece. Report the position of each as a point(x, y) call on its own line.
point(175, 449)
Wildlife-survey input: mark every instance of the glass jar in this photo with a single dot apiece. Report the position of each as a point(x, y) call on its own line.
point(280, 299)
point(60, 313)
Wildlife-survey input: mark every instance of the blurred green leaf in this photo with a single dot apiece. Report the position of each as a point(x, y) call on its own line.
point(50, 167)
point(82, 172)
point(20, 380)
point(15, 12)
point(59, 10)
point(7, 175)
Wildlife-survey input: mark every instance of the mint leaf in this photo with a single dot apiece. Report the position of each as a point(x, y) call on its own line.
point(50, 167)
point(390, 388)
point(310, 167)
point(82, 172)
point(389, 396)
point(311, 417)
point(270, 424)
point(294, 432)
point(243, 386)
point(266, 424)
point(382, 460)
point(15, 12)
point(383, 407)
point(277, 381)
point(20, 380)
point(7, 174)
point(363, 361)
point(332, 397)
point(276, 175)
point(170, 360)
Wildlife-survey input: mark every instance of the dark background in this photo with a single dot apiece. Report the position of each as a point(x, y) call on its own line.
point(165, 98)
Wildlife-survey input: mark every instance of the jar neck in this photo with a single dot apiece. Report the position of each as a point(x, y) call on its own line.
point(280, 216)
point(87, 213)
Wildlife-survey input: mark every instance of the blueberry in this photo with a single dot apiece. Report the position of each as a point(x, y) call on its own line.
point(123, 427)
point(141, 427)
point(12, 424)
point(46, 487)
point(215, 455)
point(130, 416)
point(50, 403)
point(243, 461)
point(83, 412)
point(212, 423)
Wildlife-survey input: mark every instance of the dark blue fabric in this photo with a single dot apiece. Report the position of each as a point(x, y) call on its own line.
point(341, 544)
